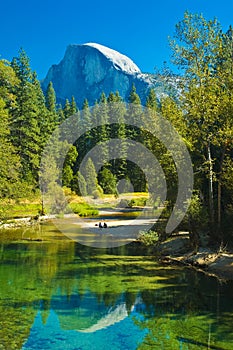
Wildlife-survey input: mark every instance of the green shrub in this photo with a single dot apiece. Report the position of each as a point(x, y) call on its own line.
point(137, 202)
point(98, 193)
point(83, 209)
point(148, 238)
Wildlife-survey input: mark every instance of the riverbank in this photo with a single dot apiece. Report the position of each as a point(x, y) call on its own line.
point(122, 225)
point(217, 263)
point(25, 212)
point(25, 222)
point(175, 251)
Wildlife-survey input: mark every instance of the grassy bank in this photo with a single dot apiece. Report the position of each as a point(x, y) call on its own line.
point(32, 206)
point(24, 208)
point(83, 209)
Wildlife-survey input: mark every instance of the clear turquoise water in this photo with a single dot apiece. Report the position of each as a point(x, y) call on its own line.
point(62, 295)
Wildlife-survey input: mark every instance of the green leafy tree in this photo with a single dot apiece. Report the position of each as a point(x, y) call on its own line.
point(204, 53)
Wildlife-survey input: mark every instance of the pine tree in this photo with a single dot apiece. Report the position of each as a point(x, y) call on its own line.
point(47, 120)
point(60, 114)
point(101, 134)
point(111, 97)
point(67, 109)
point(151, 100)
point(117, 112)
point(133, 131)
point(50, 102)
point(51, 99)
point(86, 115)
point(107, 181)
point(134, 97)
point(67, 176)
point(70, 115)
point(9, 160)
point(90, 176)
point(25, 129)
point(73, 106)
point(52, 172)
point(149, 116)
point(85, 141)
point(79, 184)
point(134, 114)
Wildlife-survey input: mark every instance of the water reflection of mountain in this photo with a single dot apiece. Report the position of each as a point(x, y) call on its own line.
point(86, 314)
point(61, 295)
point(82, 322)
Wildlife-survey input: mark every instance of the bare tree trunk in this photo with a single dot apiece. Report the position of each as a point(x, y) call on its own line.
point(211, 192)
point(219, 214)
point(42, 203)
point(219, 203)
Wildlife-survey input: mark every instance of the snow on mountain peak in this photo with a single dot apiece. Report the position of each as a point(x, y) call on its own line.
point(121, 62)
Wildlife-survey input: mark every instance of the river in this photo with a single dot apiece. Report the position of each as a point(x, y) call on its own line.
point(58, 294)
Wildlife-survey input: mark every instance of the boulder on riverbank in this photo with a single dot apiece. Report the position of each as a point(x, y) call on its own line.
point(218, 263)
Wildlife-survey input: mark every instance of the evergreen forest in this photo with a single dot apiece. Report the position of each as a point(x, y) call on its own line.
point(201, 112)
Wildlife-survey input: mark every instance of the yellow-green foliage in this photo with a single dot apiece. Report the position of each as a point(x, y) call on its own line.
point(19, 210)
point(83, 209)
point(137, 202)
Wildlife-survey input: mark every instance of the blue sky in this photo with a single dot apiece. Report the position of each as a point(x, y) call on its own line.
point(138, 29)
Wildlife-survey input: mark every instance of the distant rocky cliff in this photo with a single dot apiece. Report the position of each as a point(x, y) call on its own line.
point(89, 69)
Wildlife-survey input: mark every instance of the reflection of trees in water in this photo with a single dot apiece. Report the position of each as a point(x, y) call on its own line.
point(175, 302)
point(191, 313)
point(15, 324)
point(27, 273)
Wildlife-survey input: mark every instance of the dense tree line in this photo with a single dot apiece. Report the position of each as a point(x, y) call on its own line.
point(205, 53)
point(202, 113)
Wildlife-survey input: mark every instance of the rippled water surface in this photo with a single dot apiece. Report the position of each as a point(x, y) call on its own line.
point(62, 295)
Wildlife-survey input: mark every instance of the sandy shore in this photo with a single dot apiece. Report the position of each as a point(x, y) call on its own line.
point(122, 227)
